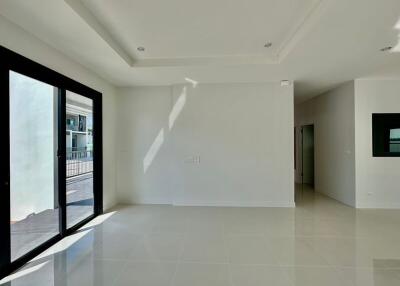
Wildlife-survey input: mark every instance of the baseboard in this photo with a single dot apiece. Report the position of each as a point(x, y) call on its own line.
point(110, 205)
point(335, 198)
point(151, 202)
point(251, 204)
point(378, 205)
point(235, 204)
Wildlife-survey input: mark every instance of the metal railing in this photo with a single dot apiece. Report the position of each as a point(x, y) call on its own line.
point(79, 162)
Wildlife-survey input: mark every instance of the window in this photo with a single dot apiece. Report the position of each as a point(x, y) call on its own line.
point(386, 134)
point(394, 140)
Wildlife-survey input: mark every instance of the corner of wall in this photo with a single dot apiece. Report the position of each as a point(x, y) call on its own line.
point(17, 39)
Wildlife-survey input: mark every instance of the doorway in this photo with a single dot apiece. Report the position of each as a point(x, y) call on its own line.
point(307, 155)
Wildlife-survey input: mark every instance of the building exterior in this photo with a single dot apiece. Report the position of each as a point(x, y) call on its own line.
point(79, 135)
point(79, 124)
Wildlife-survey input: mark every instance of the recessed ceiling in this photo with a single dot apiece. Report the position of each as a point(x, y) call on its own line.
point(316, 43)
point(201, 29)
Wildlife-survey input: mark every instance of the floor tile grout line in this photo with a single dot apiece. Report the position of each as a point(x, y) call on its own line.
point(181, 251)
point(228, 254)
point(247, 264)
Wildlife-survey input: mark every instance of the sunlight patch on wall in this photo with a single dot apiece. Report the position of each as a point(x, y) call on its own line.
point(173, 116)
point(176, 110)
point(192, 81)
point(154, 148)
point(396, 48)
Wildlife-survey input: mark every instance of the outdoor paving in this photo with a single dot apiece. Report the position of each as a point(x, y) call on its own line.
point(38, 228)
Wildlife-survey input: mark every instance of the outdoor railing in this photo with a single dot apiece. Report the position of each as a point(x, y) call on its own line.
point(79, 162)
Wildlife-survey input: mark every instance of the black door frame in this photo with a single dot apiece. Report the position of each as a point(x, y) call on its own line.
point(10, 60)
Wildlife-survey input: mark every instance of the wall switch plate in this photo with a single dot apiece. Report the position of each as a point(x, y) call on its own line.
point(192, 159)
point(188, 160)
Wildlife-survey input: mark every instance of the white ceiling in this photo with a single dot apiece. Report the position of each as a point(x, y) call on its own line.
point(207, 28)
point(316, 43)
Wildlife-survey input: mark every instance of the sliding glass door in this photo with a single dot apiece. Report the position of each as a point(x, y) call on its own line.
point(51, 167)
point(79, 155)
point(34, 211)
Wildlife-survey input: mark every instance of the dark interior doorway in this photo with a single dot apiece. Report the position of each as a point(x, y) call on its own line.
point(307, 155)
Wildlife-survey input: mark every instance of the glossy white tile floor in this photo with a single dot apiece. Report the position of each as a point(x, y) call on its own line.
point(320, 242)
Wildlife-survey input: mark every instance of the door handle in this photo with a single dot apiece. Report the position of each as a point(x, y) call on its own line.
point(59, 154)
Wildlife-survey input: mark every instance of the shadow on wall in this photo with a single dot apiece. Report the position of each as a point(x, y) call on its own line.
point(173, 116)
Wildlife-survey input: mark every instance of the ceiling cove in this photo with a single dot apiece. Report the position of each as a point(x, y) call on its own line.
point(291, 38)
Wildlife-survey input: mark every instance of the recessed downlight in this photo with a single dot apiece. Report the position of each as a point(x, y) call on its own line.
point(141, 49)
point(268, 45)
point(386, 49)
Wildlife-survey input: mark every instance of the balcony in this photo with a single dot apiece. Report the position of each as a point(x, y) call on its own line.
point(79, 162)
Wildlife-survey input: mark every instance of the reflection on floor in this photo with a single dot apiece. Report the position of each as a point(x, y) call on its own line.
point(320, 242)
point(38, 228)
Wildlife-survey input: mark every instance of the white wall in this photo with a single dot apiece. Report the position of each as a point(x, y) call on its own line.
point(143, 117)
point(32, 145)
point(18, 40)
point(332, 114)
point(214, 144)
point(377, 179)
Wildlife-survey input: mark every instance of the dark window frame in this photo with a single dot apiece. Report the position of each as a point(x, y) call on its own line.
point(10, 60)
point(377, 147)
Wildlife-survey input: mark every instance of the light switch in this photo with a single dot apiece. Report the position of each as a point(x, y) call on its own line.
point(192, 159)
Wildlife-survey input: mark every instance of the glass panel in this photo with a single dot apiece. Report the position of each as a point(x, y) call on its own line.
point(33, 163)
point(394, 140)
point(386, 134)
point(79, 143)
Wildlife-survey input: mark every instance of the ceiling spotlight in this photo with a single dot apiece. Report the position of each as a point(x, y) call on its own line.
point(140, 49)
point(386, 49)
point(268, 45)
